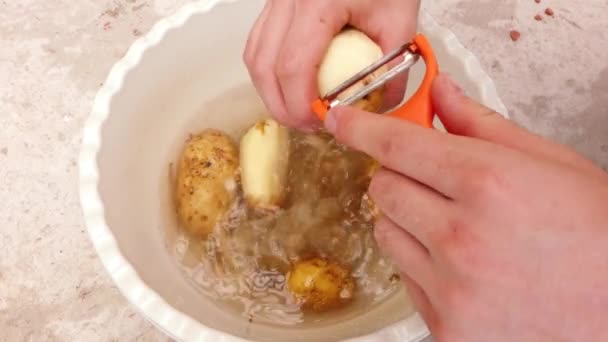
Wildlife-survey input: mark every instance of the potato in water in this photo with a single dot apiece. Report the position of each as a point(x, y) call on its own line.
point(206, 184)
point(264, 161)
point(321, 284)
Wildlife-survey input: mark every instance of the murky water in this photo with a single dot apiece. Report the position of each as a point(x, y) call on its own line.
point(327, 214)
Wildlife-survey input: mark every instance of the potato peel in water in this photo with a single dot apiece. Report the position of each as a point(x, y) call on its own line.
point(264, 164)
point(349, 52)
point(206, 181)
point(321, 284)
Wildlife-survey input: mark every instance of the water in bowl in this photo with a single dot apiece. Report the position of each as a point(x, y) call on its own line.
point(245, 262)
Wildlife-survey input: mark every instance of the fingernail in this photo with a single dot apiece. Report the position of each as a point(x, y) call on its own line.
point(331, 122)
point(309, 128)
point(316, 126)
point(451, 85)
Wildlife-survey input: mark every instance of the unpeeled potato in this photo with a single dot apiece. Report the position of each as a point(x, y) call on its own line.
point(206, 181)
point(264, 164)
point(349, 52)
point(321, 284)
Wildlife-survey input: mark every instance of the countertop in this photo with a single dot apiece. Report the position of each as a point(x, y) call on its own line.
point(55, 54)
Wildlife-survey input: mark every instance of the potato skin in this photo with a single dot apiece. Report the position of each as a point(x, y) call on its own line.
point(321, 284)
point(373, 102)
point(206, 181)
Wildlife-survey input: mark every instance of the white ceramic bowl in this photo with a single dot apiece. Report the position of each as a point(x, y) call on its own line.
point(186, 75)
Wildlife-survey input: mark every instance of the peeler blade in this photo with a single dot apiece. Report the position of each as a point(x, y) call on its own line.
point(409, 59)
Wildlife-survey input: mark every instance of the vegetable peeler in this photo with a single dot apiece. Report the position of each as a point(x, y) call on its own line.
point(418, 109)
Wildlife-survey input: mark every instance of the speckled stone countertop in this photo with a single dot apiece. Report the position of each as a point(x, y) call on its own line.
point(55, 54)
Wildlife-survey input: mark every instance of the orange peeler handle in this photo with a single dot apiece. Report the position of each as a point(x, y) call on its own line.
point(419, 108)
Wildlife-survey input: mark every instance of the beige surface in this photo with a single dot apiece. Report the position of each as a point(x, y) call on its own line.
point(55, 54)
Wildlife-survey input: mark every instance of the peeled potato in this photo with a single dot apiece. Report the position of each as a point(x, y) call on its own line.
point(264, 162)
point(321, 284)
point(350, 52)
point(206, 181)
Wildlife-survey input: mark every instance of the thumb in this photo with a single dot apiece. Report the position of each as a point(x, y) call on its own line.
point(462, 115)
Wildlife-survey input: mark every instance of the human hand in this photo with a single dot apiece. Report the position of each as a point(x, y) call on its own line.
point(500, 234)
point(290, 38)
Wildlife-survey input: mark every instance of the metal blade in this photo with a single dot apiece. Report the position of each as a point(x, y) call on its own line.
point(365, 72)
point(409, 60)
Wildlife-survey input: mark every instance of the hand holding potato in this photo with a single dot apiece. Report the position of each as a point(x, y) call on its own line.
point(291, 37)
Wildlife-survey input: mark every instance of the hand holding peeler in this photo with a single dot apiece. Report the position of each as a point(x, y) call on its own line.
point(418, 109)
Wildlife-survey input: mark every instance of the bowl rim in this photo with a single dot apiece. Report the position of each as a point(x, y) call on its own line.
point(168, 319)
